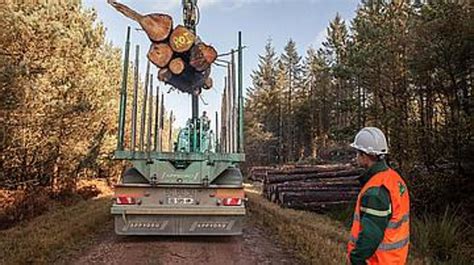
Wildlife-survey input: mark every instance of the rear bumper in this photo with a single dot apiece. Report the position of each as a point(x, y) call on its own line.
point(218, 221)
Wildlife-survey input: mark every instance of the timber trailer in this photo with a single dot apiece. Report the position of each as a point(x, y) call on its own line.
point(197, 189)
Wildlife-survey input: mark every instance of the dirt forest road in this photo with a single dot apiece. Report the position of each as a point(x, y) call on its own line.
point(256, 246)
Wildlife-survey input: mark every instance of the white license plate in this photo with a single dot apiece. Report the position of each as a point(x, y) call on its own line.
point(181, 201)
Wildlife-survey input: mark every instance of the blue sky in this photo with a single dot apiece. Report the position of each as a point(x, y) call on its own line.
point(305, 21)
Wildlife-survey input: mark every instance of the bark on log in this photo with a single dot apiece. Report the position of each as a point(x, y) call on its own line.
point(317, 189)
point(329, 196)
point(299, 177)
point(315, 206)
point(160, 54)
point(177, 66)
point(202, 56)
point(157, 26)
point(164, 75)
point(190, 81)
point(182, 39)
point(309, 170)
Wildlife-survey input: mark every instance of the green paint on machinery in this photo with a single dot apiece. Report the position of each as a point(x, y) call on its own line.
point(196, 188)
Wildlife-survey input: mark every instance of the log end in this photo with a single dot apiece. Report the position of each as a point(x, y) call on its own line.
point(182, 39)
point(177, 66)
point(157, 26)
point(202, 56)
point(160, 54)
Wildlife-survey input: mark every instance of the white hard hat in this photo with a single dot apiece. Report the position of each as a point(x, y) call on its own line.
point(371, 140)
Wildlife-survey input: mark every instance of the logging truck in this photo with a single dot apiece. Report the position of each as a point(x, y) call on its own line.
point(197, 187)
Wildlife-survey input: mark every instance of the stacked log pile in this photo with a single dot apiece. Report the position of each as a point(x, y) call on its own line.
point(259, 173)
point(311, 187)
point(184, 61)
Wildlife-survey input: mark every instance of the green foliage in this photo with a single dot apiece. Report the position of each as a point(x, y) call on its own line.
point(59, 81)
point(445, 239)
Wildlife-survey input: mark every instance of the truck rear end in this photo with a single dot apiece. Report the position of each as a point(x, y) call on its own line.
point(143, 209)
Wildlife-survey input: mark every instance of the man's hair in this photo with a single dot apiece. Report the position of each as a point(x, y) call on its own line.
point(372, 157)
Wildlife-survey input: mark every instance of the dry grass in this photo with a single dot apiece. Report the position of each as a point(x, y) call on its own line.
point(24, 204)
point(102, 185)
point(49, 236)
point(317, 239)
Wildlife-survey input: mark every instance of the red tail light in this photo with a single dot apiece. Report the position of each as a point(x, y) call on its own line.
point(232, 201)
point(124, 200)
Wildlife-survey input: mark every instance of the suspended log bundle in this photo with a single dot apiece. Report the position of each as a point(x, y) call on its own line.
point(309, 187)
point(184, 61)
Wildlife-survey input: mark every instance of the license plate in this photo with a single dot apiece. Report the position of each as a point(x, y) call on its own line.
point(180, 201)
point(180, 196)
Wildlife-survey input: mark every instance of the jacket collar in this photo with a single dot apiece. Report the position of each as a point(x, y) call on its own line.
point(378, 167)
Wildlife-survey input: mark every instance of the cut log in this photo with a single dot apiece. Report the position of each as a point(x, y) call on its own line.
point(317, 189)
point(310, 196)
point(308, 170)
point(202, 56)
point(157, 26)
point(306, 184)
point(164, 75)
point(177, 66)
point(317, 206)
point(160, 54)
point(208, 83)
point(300, 177)
point(182, 39)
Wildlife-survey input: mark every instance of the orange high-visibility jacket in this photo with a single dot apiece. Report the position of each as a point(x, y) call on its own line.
point(393, 250)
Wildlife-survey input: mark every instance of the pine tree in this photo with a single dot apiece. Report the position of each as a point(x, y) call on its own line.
point(291, 67)
point(262, 106)
point(335, 50)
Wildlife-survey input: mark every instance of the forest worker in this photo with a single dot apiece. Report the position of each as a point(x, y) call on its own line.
point(380, 228)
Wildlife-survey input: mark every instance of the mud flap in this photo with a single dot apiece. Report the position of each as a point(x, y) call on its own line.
point(178, 225)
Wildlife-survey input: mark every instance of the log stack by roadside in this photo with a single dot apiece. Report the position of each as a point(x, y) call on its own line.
point(184, 61)
point(309, 187)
